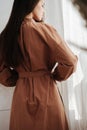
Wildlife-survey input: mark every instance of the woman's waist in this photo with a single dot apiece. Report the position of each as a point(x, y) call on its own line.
point(37, 73)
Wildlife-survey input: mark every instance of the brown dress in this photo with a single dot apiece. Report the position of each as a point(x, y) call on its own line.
point(36, 101)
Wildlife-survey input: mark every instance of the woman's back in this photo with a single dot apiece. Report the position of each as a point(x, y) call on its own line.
point(37, 104)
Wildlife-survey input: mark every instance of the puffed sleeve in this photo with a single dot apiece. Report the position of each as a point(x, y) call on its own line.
point(59, 50)
point(8, 77)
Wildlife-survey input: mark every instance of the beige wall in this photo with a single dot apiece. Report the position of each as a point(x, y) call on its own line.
point(6, 95)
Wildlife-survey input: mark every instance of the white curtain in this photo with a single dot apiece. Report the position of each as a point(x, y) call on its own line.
point(67, 20)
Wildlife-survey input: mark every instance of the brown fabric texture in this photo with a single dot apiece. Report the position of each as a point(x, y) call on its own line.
point(37, 104)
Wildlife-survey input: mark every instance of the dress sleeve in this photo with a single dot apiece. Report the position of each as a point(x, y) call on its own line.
point(6, 76)
point(67, 60)
point(59, 50)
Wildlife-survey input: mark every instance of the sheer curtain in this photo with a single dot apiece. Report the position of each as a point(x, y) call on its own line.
point(63, 15)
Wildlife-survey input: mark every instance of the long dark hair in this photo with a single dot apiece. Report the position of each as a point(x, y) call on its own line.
point(10, 51)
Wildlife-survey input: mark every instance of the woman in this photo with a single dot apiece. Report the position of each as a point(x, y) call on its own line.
point(29, 50)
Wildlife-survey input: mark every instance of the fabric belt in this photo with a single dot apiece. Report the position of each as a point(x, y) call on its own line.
point(34, 74)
